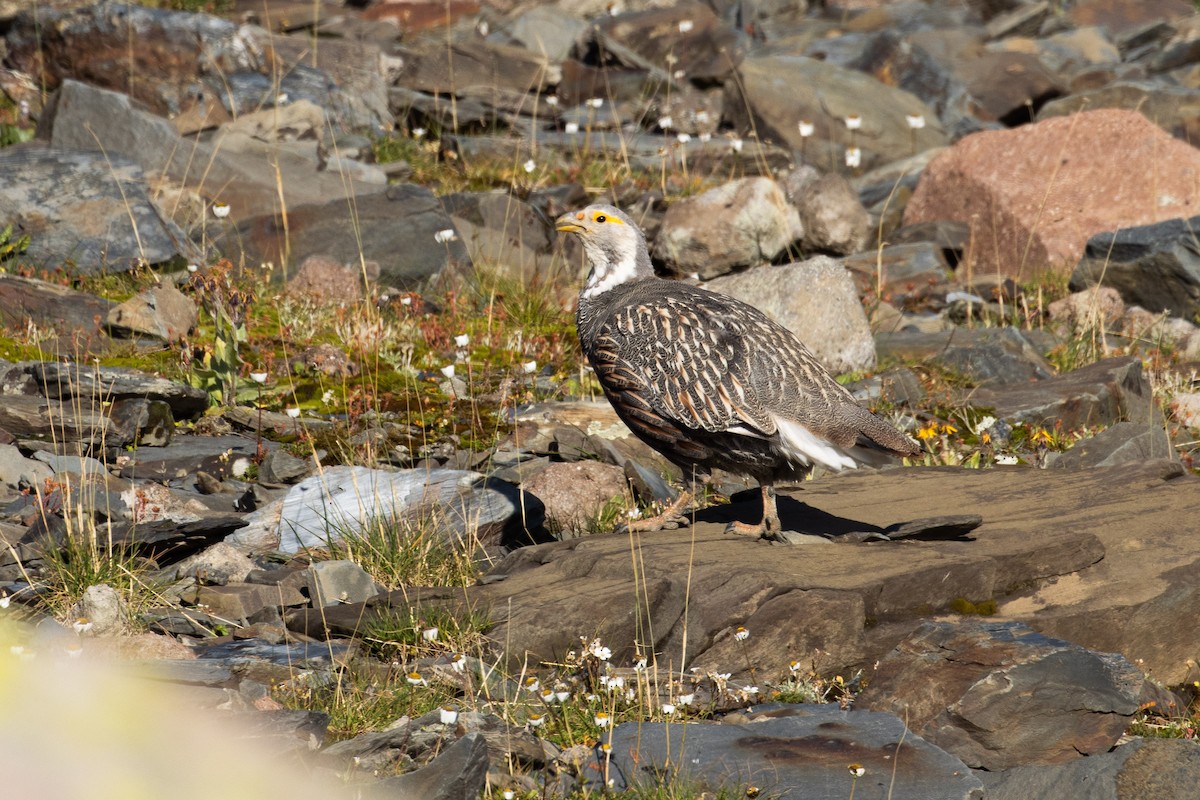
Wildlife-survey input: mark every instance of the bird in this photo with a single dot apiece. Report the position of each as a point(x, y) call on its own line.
point(709, 381)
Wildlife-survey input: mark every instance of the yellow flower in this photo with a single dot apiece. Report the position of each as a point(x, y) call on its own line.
point(947, 428)
point(927, 433)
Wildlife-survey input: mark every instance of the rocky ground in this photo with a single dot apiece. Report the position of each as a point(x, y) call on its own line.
point(301, 471)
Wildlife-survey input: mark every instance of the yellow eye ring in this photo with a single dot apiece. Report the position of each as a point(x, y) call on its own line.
point(601, 218)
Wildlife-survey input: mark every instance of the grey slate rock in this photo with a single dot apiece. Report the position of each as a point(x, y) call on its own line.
point(87, 209)
point(397, 230)
point(220, 456)
point(47, 304)
point(987, 356)
point(1111, 390)
point(1154, 266)
point(791, 752)
point(1123, 443)
point(340, 581)
point(65, 381)
point(902, 274)
point(1163, 769)
point(1000, 695)
point(460, 773)
point(145, 423)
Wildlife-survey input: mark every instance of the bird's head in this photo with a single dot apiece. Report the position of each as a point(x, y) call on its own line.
point(615, 247)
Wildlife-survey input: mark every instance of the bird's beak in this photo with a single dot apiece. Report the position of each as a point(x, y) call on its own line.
point(569, 223)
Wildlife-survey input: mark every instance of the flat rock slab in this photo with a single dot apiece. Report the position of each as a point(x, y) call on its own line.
point(1104, 558)
point(87, 209)
point(1165, 769)
point(999, 695)
point(793, 752)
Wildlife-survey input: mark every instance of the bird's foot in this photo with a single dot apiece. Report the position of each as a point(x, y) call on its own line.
point(769, 528)
point(672, 517)
point(746, 529)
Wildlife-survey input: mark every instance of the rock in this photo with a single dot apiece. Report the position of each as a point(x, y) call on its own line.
point(67, 381)
point(217, 565)
point(340, 581)
point(999, 357)
point(101, 611)
point(504, 232)
point(435, 68)
point(1147, 331)
point(544, 30)
point(194, 67)
point(26, 301)
point(20, 472)
point(739, 224)
point(685, 40)
point(325, 279)
point(1095, 308)
point(571, 431)
point(219, 456)
point(776, 93)
point(343, 500)
point(240, 602)
point(50, 420)
point(145, 423)
point(1007, 181)
point(1111, 390)
point(1185, 408)
point(1153, 266)
point(910, 275)
point(1073, 51)
point(1175, 109)
point(401, 230)
point(280, 466)
point(92, 210)
point(246, 173)
point(1008, 87)
point(1117, 16)
point(162, 312)
point(1140, 768)
point(789, 751)
point(816, 300)
point(576, 493)
point(1122, 443)
point(460, 772)
point(831, 215)
point(999, 695)
point(1080, 577)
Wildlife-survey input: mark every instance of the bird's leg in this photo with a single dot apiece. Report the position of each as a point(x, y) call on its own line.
point(671, 517)
point(770, 518)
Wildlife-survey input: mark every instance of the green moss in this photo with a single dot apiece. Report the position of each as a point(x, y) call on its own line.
point(982, 608)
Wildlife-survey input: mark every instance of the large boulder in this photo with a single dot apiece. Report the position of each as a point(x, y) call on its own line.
point(739, 224)
point(1033, 207)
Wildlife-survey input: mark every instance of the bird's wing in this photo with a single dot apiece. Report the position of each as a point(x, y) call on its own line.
point(676, 360)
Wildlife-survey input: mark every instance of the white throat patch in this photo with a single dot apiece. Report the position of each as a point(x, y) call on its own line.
point(616, 274)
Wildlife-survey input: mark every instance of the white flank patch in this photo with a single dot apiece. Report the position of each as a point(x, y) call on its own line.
point(803, 445)
point(600, 281)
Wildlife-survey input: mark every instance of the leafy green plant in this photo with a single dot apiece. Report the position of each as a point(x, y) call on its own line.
point(10, 246)
point(218, 364)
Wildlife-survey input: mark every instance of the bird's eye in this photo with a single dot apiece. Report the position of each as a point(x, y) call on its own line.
point(601, 218)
